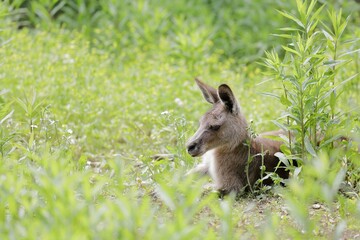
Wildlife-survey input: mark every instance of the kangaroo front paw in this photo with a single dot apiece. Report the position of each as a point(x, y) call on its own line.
point(201, 169)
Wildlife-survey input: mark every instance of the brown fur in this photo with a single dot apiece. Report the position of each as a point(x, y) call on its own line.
point(223, 132)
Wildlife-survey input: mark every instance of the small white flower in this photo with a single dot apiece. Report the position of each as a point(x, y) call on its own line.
point(72, 141)
point(179, 102)
point(68, 59)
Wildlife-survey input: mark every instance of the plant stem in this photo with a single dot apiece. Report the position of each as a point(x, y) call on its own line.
point(302, 125)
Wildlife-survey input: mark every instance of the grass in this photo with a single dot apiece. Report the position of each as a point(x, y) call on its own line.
point(80, 123)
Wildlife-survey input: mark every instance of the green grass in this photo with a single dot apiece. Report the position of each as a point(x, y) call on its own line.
point(80, 122)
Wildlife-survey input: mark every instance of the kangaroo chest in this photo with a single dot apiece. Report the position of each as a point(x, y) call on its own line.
point(210, 160)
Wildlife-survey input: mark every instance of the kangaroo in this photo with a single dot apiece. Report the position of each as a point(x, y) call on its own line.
point(230, 155)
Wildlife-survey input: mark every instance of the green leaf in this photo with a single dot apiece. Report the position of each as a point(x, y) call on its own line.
point(8, 115)
point(295, 118)
point(293, 18)
point(332, 63)
point(280, 125)
point(270, 95)
point(285, 149)
point(338, 180)
point(281, 156)
point(332, 101)
point(285, 101)
point(330, 140)
point(310, 10)
point(349, 53)
point(328, 35)
point(290, 29)
point(287, 36)
point(309, 147)
point(317, 13)
point(297, 171)
point(327, 94)
point(291, 50)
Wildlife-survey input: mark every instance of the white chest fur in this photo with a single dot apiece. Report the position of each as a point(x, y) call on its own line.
point(210, 160)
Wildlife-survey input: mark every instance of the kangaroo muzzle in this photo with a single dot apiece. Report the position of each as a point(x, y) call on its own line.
point(194, 148)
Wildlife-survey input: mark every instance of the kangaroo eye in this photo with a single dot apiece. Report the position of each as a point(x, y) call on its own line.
point(214, 127)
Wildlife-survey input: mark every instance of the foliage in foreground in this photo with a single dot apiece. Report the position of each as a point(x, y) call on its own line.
point(79, 127)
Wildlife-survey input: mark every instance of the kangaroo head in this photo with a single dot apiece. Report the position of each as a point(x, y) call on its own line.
point(222, 126)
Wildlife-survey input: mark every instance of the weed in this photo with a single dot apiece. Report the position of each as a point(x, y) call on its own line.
point(311, 84)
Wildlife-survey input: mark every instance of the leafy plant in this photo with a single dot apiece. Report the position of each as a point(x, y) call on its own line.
point(6, 135)
point(310, 77)
point(307, 75)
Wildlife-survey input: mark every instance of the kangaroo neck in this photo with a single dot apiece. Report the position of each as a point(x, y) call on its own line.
point(239, 147)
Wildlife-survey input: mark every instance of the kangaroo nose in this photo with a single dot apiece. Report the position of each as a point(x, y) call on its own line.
point(191, 148)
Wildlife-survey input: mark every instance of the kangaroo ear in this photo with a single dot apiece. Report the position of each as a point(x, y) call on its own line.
point(208, 92)
point(227, 97)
